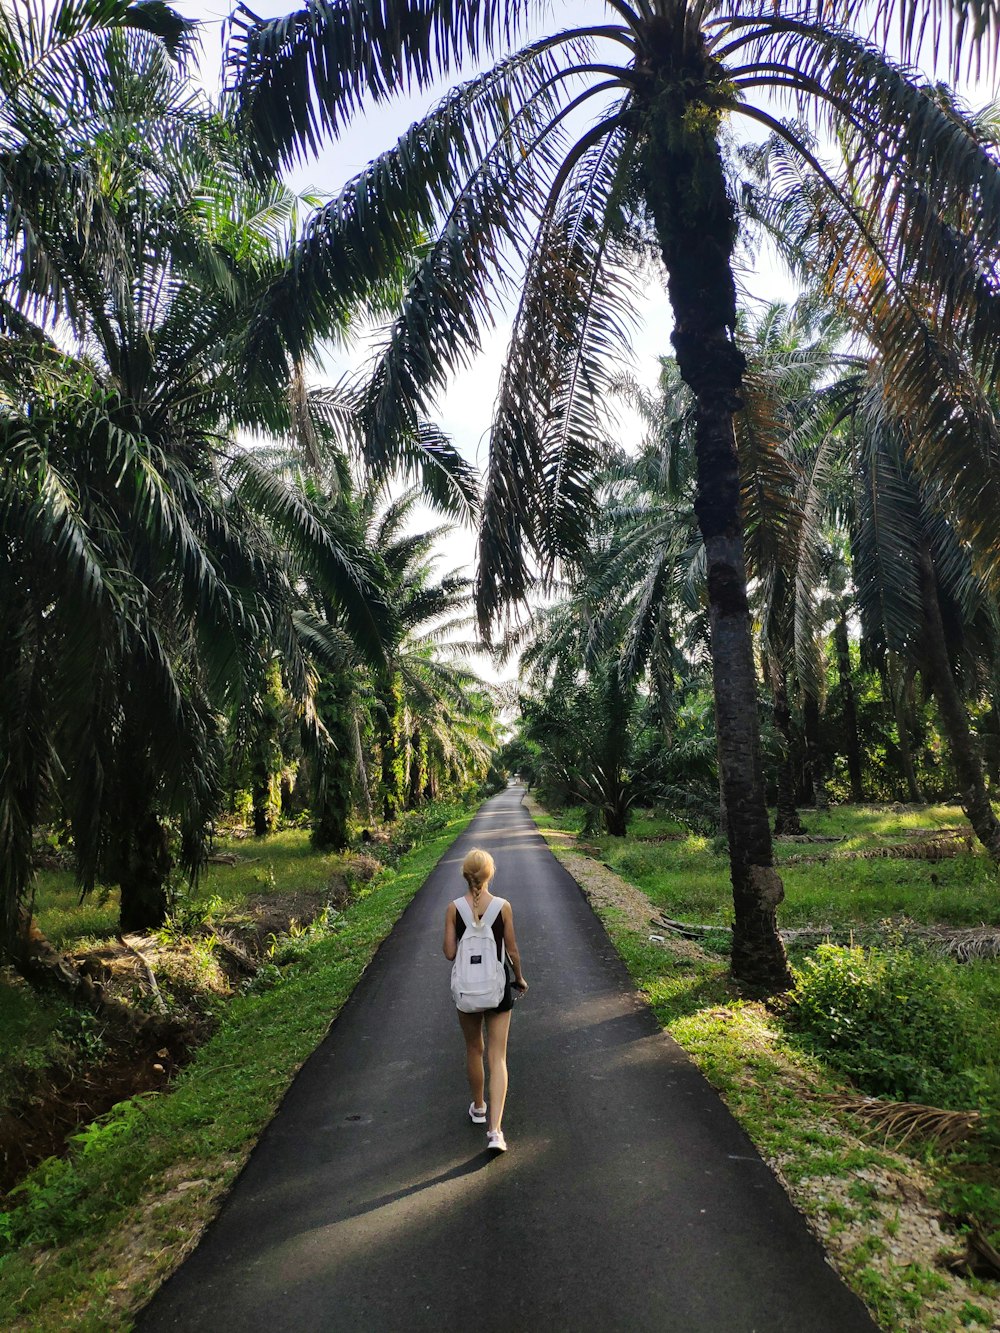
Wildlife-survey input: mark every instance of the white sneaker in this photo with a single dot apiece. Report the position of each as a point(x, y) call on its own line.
point(477, 1114)
point(495, 1141)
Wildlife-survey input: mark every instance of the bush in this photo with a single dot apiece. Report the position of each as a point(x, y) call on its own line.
point(894, 1021)
point(634, 862)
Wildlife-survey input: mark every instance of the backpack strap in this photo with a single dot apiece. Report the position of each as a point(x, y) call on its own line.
point(490, 915)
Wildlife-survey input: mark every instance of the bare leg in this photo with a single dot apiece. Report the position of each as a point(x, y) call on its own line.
point(472, 1031)
point(497, 1029)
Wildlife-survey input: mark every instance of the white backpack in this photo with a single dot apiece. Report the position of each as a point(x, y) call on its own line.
point(478, 977)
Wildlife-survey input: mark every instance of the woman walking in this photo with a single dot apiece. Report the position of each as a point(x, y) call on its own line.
point(473, 909)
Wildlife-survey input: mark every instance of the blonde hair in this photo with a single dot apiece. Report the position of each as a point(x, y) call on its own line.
point(478, 869)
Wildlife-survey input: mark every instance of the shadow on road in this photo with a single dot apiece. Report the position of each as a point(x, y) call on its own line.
point(372, 1205)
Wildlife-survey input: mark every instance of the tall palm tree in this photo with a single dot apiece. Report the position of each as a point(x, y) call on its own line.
point(582, 687)
point(927, 440)
point(919, 593)
point(428, 709)
point(50, 552)
point(150, 563)
point(501, 172)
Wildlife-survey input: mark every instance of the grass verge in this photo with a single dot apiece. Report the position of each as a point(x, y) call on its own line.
point(877, 1211)
point(92, 1235)
point(824, 885)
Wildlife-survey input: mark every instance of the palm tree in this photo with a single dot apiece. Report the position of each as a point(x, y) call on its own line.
point(927, 451)
point(150, 562)
point(838, 579)
point(581, 702)
point(52, 554)
point(791, 394)
point(918, 591)
point(500, 172)
point(428, 715)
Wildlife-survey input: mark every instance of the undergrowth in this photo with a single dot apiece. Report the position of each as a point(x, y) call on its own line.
point(901, 1023)
point(893, 1021)
point(90, 1236)
point(688, 877)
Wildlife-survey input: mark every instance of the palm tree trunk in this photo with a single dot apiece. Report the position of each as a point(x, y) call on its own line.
point(418, 769)
point(992, 748)
point(333, 767)
point(362, 766)
point(695, 224)
point(814, 753)
point(723, 812)
point(896, 693)
point(954, 718)
point(786, 818)
point(615, 815)
point(144, 865)
point(993, 761)
point(842, 648)
point(265, 799)
point(392, 746)
point(25, 747)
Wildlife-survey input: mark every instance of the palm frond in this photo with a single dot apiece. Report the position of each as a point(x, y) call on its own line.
point(571, 334)
point(308, 73)
point(342, 568)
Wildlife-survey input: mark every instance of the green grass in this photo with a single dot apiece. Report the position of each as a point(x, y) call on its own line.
point(283, 862)
point(62, 917)
point(772, 1084)
point(92, 1234)
point(40, 1033)
point(35, 1031)
point(689, 880)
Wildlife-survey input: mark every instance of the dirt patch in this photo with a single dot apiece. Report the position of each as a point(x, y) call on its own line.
point(182, 978)
point(60, 1102)
point(264, 917)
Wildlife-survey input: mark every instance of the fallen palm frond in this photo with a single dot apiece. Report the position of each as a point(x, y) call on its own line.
point(234, 951)
point(962, 945)
point(147, 972)
point(694, 930)
point(690, 930)
point(944, 831)
point(930, 849)
point(906, 1120)
point(793, 935)
point(979, 1259)
point(965, 945)
point(809, 837)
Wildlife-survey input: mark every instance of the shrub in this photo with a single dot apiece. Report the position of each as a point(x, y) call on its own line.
point(634, 862)
point(893, 1020)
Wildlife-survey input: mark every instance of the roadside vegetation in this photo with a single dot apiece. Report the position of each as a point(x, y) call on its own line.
point(834, 1082)
point(236, 679)
point(89, 1235)
point(162, 994)
point(236, 675)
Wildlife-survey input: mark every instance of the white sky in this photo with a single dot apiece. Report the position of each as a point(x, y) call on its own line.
point(465, 410)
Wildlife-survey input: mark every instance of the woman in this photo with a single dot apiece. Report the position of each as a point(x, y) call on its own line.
point(478, 870)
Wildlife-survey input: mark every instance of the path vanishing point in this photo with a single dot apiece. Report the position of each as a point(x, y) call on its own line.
point(630, 1199)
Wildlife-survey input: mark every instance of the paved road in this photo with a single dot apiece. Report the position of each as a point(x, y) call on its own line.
point(629, 1200)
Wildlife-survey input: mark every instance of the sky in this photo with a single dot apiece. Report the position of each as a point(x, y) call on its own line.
point(465, 409)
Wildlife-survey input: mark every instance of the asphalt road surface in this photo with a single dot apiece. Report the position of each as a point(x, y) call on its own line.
point(629, 1198)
